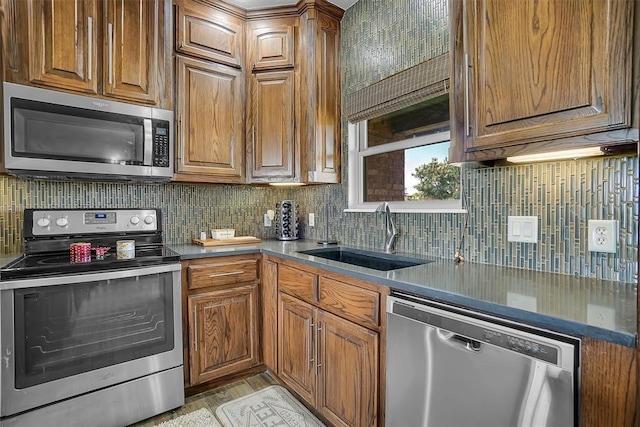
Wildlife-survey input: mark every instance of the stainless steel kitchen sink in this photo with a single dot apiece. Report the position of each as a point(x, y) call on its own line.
point(369, 259)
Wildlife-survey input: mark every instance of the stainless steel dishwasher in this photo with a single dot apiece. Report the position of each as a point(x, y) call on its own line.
point(448, 367)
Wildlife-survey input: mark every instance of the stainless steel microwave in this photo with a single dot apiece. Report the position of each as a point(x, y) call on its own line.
point(56, 135)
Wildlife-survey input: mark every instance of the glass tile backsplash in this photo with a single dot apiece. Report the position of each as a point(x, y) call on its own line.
point(379, 39)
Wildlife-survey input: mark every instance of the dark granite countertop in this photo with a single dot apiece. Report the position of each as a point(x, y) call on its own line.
point(578, 306)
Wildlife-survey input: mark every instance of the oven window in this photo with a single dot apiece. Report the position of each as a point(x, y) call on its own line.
point(47, 131)
point(69, 329)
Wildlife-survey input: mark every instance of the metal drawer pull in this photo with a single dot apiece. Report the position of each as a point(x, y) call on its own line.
point(318, 364)
point(231, 273)
point(195, 327)
point(310, 356)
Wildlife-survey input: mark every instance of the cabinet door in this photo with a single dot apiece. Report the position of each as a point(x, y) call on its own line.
point(223, 327)
point(209, 34)
point(210, 100)
point(320, 96)
point(348, 372)
point(269, 294)
point(272, 47)
point(296, 365)
point(131, 50)
point(63, 44)
point(271, 114)
point(542, 70)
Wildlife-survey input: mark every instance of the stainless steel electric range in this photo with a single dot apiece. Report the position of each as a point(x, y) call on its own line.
point(91, 340)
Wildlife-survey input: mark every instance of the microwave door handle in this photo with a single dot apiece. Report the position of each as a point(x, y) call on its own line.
point(89, 48)
point(148, 142)
point(110, 51)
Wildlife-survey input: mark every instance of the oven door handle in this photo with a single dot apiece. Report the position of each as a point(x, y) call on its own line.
point(89, 277)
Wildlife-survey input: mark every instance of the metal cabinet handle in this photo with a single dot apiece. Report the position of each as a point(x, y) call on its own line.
point(110, 51)
point(317, 345)
point(467, 127)
point(89, 48)
point(230, 273)
point(309, 355)
point(195, 328)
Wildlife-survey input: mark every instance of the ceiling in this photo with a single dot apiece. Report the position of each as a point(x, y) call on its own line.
point(261, 4)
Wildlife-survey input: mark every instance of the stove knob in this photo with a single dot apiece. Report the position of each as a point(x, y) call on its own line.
point(62, 222)
point(134, 220)
point(148, 220)
point(44, 222)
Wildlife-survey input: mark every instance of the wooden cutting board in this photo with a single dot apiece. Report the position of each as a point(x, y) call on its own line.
point(241, 240)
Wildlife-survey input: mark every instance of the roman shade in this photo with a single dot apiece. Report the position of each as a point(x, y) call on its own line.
point(422, 82)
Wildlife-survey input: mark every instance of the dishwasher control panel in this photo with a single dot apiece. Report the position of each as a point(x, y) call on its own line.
point(473, 332)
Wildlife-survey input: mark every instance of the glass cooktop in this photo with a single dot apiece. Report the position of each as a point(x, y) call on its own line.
point(59, 263)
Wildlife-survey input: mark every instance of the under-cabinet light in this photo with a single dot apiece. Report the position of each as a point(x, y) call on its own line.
point(287, 184)
point(557, 155)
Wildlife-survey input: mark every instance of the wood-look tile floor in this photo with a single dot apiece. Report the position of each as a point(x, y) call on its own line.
point(213, 398)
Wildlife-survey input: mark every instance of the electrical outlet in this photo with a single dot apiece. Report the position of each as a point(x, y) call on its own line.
point(603, 235)
point(603, 317)
point(312, 219)
point(267, 220)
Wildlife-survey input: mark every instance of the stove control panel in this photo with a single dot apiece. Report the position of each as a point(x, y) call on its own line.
point(61, 222)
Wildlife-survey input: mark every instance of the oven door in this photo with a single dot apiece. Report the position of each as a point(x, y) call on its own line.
point(68, 335)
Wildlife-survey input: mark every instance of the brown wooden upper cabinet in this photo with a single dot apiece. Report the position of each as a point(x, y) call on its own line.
point(272, 46)
point(293, 110)
point(280, 71)
point(533, 76)
point(272, 134)
point(103, 48)
point(210, 95)
point(210, 122)
point(272, 145)
point(209, 34)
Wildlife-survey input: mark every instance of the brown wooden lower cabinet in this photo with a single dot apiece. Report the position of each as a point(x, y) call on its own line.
point(324, 335)
point(220, 317)
point(296, 351)
point(223, 333)
point(330, 362)
point(347, 371)
point(609, 385)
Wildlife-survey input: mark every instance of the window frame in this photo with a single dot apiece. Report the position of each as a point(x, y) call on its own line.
point(358, 150)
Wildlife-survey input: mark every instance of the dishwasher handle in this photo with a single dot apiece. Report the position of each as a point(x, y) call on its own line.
point(460, 341)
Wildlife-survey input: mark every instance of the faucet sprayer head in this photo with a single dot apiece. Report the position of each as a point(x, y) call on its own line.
point(383, 207)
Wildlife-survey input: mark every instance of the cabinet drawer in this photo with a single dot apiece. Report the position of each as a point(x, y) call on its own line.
point(353, 303)
point(298, 283)
point(222, 273)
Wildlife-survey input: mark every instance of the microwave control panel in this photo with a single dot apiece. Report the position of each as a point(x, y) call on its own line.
point(161, 146)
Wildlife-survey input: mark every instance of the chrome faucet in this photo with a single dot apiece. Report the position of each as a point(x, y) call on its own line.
point(390, 227)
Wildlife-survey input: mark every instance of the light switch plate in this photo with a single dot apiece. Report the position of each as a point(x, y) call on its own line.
point(312, 220)
point(603, 235)
point(523, 229)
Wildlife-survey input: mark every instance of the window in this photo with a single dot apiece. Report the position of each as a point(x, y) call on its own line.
point(401, 158)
